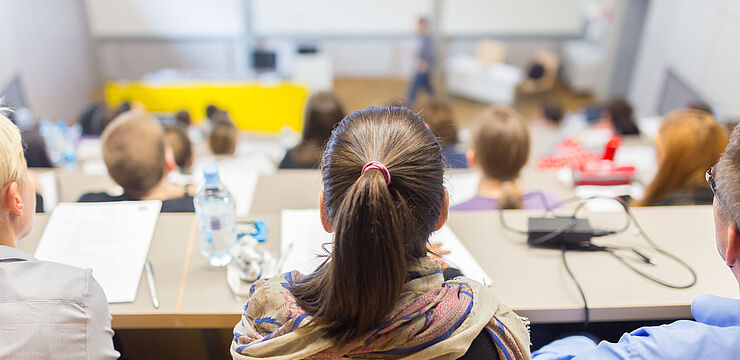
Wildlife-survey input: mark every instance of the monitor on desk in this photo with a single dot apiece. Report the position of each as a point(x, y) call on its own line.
point(264, 61)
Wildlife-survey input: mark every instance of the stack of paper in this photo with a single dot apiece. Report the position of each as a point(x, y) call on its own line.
point(303, 238)
point(112, 239)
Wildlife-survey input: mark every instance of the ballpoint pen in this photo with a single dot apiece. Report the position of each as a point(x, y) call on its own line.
point(150, 280)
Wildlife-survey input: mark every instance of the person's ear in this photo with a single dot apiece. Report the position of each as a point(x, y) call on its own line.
point(13, 200)
point(169, 159)
point(325, 215)
point(444, 212)
point(733, 246)
point(470, 156)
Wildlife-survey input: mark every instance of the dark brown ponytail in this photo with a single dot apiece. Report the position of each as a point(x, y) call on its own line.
point(379, 227)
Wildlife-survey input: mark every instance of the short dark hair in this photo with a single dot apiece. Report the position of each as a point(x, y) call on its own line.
point(620, 112)
point(210, 110)
point(182, 118)
point(553, 112)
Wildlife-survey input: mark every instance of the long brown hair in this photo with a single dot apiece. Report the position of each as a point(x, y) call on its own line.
point(378, 228)
point(690, 142)
point(323, 112)
point(501, 145)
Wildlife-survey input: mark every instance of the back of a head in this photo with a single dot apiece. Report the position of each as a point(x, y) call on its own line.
point(377, 225)
point(210, 110)
point(501, 146)
point(323, 112)
point(689, 143)
point(182, 148)
point(182, 118)
point(727, 178)
point(438, 115)
point(11, 153)
point(501, 143)
point(620, 112)
point(223, 137)
point(134, 151)
point(553, 113)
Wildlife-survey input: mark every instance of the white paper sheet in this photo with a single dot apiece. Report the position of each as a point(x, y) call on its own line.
point(461, 186)
point(303, 237)
point(49, 190)
point(112, 239)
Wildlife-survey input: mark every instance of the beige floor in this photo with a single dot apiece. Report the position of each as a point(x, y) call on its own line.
point(360, 93)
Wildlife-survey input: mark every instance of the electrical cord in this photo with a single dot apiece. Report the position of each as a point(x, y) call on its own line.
point(586, 310)
point(630, 219)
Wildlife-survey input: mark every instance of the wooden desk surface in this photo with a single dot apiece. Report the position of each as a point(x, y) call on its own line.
point(172, 241)
point(534, 281)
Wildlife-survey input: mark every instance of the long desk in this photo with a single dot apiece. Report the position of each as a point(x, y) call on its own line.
point(532, 281)
point(172, 242)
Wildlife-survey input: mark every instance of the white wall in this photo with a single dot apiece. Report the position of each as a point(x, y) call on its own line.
point(698, 41)
point(47, 44)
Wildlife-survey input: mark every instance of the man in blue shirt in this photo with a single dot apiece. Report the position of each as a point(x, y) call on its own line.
point(716, 332)
point(425, 62)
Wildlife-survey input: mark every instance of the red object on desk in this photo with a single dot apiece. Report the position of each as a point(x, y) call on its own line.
point(604, 171)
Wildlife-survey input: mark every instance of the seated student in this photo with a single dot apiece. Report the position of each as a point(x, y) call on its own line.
point(715, 333)
point(552, 113)
point(438, 115)
point(378, 293)
point(619, 114)
point(48, 310)
point(499, 151)
point(182, 149)
point(223, 137)
point(688, 142)
point(323, 113)
point(138, 160)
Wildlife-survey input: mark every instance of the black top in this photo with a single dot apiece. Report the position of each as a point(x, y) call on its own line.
point(180, 205)
point(482, 346)
point(290, 163)
point(698, 196)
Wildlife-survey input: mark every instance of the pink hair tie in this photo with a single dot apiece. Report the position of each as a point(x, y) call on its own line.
point(378, 166)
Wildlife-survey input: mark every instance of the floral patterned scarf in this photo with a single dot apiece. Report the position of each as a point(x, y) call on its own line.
point(433, 319)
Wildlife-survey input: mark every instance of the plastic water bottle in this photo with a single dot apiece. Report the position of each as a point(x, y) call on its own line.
point(53, 140)
point(71, 137)
point(214, 209)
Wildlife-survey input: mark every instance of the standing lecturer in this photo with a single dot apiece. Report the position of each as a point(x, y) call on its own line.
point(424, 63)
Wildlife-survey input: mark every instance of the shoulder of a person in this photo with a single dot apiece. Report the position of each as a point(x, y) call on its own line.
point(94, 197)
point(61, 281)
point(182, 204)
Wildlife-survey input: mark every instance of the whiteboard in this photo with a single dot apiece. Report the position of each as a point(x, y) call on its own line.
point(512, 17)
point(166, 18)
point(337, 17)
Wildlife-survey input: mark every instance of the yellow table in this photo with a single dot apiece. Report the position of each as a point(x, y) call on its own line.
point(252, 106)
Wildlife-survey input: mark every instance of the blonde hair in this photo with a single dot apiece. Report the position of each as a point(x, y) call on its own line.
point(690, 141)
point(501, 145)
point(133, 151)
point(12, 160)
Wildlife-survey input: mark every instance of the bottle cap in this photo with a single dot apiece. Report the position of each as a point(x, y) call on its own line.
point(210, 173)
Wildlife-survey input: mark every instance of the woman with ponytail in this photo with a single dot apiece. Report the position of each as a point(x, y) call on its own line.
point(378, 294)
point(499, 150)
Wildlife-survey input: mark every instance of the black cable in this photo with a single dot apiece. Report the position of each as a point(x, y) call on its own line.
point(586, 310)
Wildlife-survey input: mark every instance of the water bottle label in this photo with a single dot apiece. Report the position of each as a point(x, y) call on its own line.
point(215, 224)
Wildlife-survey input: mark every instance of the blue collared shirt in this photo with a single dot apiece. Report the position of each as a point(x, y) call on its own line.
point(714, 335)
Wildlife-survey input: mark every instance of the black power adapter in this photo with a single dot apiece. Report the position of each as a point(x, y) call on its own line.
point(554, 232)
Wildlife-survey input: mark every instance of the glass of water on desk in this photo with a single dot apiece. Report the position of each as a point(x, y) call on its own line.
point(214, 209)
